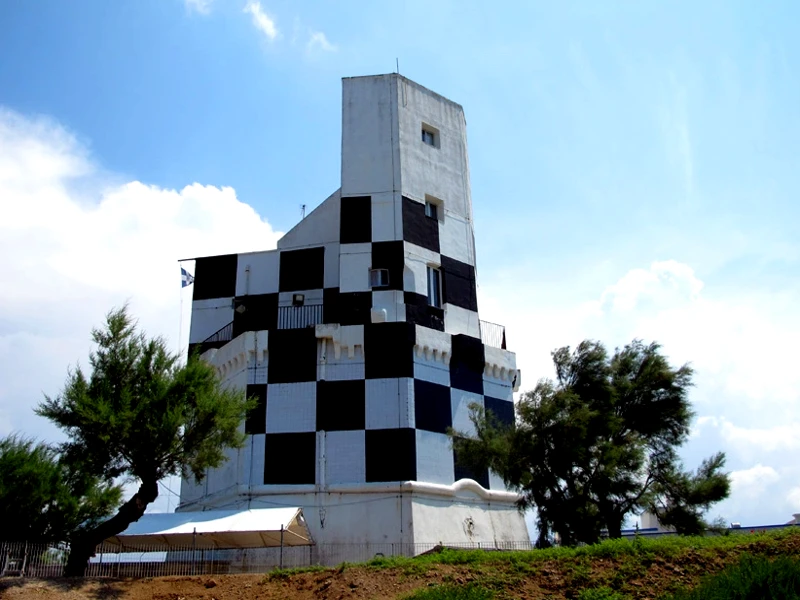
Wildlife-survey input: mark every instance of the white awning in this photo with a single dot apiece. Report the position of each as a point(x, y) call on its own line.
point(258, 528)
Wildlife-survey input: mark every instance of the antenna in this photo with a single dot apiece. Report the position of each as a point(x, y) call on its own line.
point(302, 211)
point(397, 65)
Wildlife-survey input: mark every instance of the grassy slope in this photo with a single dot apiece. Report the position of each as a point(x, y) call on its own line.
point(641, 568)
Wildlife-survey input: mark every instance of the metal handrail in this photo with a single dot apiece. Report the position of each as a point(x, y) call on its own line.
point(298, 317)
point(493, 334)
point(224, 334)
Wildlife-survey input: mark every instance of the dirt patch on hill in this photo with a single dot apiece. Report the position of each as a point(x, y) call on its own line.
point(636, 576)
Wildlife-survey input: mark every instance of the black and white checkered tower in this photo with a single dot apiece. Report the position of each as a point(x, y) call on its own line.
point(361, 338)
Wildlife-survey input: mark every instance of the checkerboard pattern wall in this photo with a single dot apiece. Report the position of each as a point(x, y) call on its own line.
point(378, 410)
point(387, 422)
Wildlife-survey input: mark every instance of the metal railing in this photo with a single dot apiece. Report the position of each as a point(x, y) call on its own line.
point(493, 334)
point(47, 561)
point(224, 334)
point(298, 317)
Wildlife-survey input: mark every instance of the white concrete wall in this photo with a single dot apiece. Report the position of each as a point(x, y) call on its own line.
point(208, 317)
point(370, 162)
point(362, 514)
point(355, 261)
point(466, 520)
point(257, 273)
point(441, 171)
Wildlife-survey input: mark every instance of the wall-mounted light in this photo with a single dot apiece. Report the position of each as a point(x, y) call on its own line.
point(298, 299)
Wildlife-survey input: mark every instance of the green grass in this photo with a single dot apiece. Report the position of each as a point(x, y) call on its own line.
point(452, 592)
point(645, 549)
point(499, 573)
point(754, 578)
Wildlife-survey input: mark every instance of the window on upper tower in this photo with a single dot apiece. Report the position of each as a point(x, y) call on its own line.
point(378, 278)
point(434, 287)
point(430, 135)
point(431, 210)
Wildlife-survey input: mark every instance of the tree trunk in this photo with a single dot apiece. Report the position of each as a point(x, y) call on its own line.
point(82, 547)
point(614, 525)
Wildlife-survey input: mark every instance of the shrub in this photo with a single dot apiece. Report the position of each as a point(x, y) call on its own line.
point(750, 579)
point(601, 593)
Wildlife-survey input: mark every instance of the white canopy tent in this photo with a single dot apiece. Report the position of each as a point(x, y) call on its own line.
point(259, 528)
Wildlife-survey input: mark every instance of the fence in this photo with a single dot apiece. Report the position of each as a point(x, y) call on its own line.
point(493, 335)
point(46, 561)
point(298, 317)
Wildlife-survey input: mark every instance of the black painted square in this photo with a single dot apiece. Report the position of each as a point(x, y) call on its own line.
point(432, 410)
point(389, 350)
point(503, 410)
point(258, 312)
point(464, 470)
point(355, 225)
point(290, 458)
point(292, 355)
point(418, 228)
point(256, 420)
point(354, 308)
point(467, 363)
point(458, 284)
point(302, 269)
point(391, 454)
point(340, 405)
point(215, 277)
point(418, 311)
point(390, 256)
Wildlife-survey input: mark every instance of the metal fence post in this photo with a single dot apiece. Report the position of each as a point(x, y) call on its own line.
point(281, 555)
point(194, 547)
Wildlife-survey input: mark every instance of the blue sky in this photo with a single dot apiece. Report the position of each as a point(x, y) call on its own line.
point(634, 170)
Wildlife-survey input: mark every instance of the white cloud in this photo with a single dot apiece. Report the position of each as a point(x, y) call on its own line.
point(200, 6)
point(70, 256)
point(793, 498)
point(318, 40)
point(752, 482)
point(261, 20)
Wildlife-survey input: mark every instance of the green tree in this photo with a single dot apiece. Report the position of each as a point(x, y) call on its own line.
point(44, 499)
point(143, 415)
point(600, 443)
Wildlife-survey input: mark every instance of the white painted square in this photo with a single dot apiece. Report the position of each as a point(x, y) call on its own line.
point(292, 407)
point(262, 277)
point(460, 406)
point(208, 317)
point(434, 458)
point(460, 320)
point(455, 239)
point(383, 217)
point(388, 403)
point(354, 271)
point(345, 457)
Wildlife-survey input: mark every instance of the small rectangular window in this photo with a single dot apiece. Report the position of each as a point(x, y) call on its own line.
point(434, 287)
point(431, 210)
point(430, 135)
point(378, 278)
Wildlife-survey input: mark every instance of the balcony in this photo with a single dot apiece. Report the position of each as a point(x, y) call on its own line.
point(299, 317)
point(493, 334)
